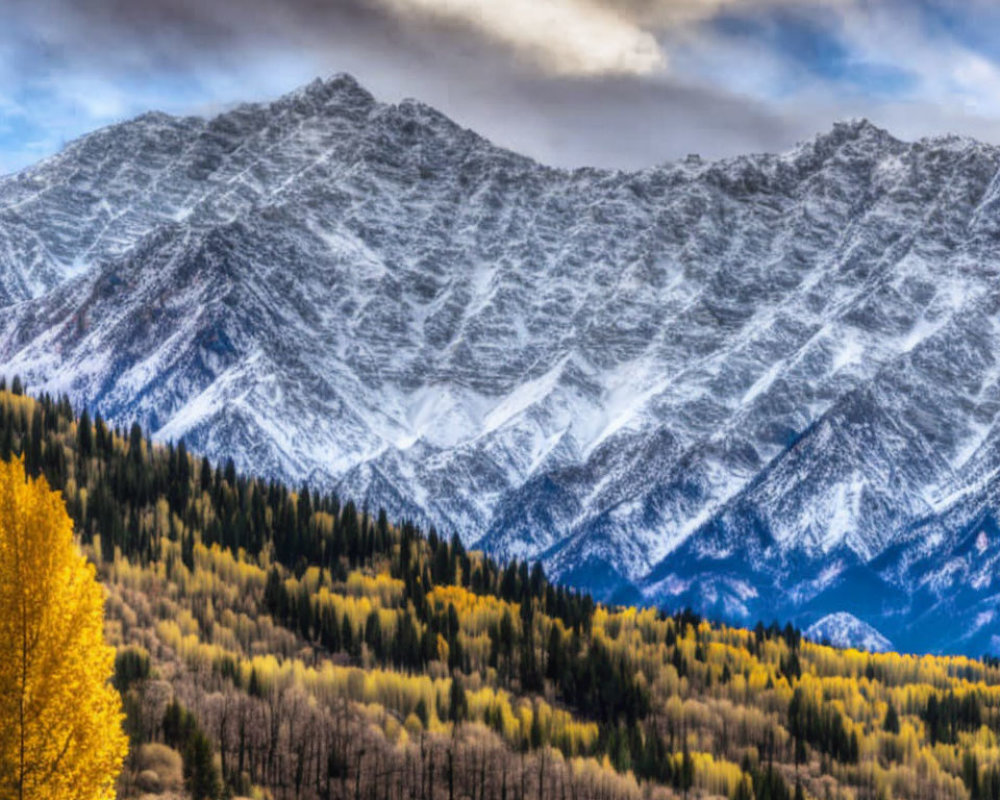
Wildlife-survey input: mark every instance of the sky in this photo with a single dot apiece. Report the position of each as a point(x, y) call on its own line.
point(611, 83)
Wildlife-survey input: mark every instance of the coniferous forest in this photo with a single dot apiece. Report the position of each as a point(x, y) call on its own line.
point(275, 642)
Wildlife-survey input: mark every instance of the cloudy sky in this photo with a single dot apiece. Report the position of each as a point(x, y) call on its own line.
point(624, 83)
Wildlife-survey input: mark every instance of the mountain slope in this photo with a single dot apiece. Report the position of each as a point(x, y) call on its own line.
point(845, 630)
point(767, 371)
point(320, 651)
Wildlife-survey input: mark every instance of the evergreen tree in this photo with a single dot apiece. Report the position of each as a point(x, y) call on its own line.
point(458, 705)
point(84, 436)
point(200, 773)
point(891, 722)
point(686, 778)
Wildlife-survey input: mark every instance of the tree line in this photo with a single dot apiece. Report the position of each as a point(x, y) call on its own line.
point(288, 639)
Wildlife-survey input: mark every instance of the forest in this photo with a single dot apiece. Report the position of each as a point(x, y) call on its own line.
point(275, 642)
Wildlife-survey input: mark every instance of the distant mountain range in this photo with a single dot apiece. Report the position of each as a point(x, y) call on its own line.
point(765, 387)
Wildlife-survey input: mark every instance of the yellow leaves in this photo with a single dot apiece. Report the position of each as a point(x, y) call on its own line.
point(20, 404)
point(895, 669)
point(356, 609)
point(758, 679)
point(476, 613)
point(487, 704)
point(984, 739)
point(413, 724)
point(311, 579)
point(715, 777)
point(712, 688)
point(387, 590)
point(324, 523)
point(62, 735)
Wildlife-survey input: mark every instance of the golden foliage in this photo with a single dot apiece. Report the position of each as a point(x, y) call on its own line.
point(61, 736)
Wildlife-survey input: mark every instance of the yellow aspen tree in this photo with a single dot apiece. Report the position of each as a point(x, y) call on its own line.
point(61, 732)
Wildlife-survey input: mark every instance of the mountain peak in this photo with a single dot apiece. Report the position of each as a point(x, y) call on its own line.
point(342, 83)
point(860, 127)
point(857, 130)
point(600, 367)
point(846, 630)
point(341, 89)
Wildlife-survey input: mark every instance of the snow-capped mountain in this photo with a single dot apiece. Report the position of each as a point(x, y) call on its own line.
point(767, 386)
point(846, 630)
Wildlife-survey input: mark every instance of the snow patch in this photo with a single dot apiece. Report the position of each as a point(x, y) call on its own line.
point(845, 630)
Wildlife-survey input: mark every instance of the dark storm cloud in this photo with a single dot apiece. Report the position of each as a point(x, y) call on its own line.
point(177, 33)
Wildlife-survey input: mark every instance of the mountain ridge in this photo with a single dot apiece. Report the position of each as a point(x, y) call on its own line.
point(768, 362)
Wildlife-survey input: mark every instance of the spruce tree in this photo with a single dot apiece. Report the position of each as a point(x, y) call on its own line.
point(201, 775)
point(458, 705)
point(891, 723)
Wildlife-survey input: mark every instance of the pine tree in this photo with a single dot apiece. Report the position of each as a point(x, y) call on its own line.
point(554, 662)
point(535, 735)
point(201, 775)
point(891, 724)
point(421, 711)
point(687, 771)
point(84, 436)
point(62, 734)
point(458, 705)
point(744, 791)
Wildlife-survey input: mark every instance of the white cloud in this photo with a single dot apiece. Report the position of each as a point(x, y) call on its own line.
point(673, 13)
point(584, 37)
point(573, 37)
point(622, 83)
point(945, 72)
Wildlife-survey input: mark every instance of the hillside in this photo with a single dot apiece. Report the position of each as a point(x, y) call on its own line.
point(289, 643)
point(763, 386)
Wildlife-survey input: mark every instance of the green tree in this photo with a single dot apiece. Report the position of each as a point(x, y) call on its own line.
point(891, 723)
point(200, 772)
point(458, 705)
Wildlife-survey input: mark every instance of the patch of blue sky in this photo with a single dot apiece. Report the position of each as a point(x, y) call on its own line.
point(42, 109)
point(22, 140)
point(812, 49)
point(972, 23)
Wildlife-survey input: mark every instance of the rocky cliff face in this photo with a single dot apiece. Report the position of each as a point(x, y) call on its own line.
point(767, 386)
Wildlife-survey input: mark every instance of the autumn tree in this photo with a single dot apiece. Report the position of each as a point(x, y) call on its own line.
point(61, 735)
point(321, 652)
